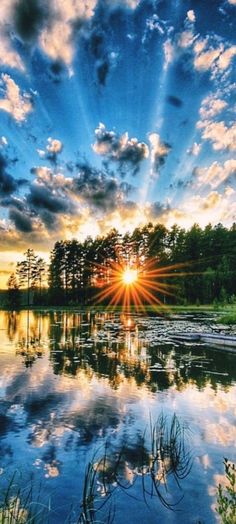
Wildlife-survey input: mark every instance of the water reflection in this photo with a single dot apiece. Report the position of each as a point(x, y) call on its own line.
point(150, 463)
point(114, 346)
point(72, 381)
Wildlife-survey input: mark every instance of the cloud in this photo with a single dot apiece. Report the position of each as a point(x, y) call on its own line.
point(53, 26)
point(128, 152)
point(57, 43)
point(174, 101)
point(21, 220)
point(7, 183)
point(209, 57)
point(41, 197)
point(216, 173)
point(98, 188)
point(158, 209)
point(208, 54)
point(29, 16)
point(212, 106)
point(221, 136)
point(15, 103)
point(49, 193)
point(54, 148)
point(191, 16)
point(102, 67)
point(159, 151)
point(195, 149)
point(9, 57)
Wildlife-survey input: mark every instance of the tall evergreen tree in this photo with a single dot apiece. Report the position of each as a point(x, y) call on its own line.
point(26, 272)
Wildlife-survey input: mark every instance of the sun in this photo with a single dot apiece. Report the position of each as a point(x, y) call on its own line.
point(129, 276)
point(137, 283)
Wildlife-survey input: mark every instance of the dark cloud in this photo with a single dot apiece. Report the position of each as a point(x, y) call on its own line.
point(41, 197)
point(103, 70)
point(8, 184)
point(96, 40)
point(13, 202)
point(21, 221)
point(98, 188)
point(128, 152)
point(57, 71)
point(174, 101)
point(157, 209)
point(50, 220)
point(29, 17)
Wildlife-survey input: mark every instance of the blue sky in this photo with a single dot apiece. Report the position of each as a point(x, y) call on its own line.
point(114, 113)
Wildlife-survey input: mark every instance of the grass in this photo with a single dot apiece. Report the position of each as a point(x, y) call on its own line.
point(226, 495)
point(229, 319)
point(22, 505)
point(148, 308)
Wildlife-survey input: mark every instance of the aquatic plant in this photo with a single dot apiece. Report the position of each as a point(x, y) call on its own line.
point(226, 495)
point(160, 454)
point(21, 504)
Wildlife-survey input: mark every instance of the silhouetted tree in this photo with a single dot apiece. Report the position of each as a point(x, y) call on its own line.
point(13, 292)
point(31, 272)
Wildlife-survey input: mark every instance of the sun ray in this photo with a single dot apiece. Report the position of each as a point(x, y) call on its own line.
point(138, 284)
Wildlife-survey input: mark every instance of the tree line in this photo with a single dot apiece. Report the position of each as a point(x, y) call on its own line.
point(201, 262)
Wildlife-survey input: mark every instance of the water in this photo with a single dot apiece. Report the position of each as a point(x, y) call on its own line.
point(77, 386)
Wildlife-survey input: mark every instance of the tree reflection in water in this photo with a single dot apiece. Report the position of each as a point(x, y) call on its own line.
point(142, 471)
point(28, 335)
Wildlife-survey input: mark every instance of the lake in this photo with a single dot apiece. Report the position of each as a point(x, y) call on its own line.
point(110, 420)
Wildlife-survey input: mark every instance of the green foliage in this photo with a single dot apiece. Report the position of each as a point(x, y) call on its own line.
point(226, 496)
point(207, 256)
point(31, 273)
point(201, 262)
point(229, 319)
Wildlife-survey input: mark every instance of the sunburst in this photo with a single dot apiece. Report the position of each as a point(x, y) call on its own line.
point(137, 284)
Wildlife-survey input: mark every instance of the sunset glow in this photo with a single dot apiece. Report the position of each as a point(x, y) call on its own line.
point(113, 114)
point(130, 276)
point(139, 287)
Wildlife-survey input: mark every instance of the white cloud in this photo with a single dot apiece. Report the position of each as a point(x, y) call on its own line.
point(54, 146)
point(210, 58)
point(3, 141)
point(221, 136)
point(56, 42)
point(159, 150)
point(15, 103)
point(191, 16)
point(195, 149)
point(216, 174)
point(8, 56)
point(186, 39)
point(211, 106)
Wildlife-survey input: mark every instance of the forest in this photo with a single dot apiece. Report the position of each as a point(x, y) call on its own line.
point(199, 264)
